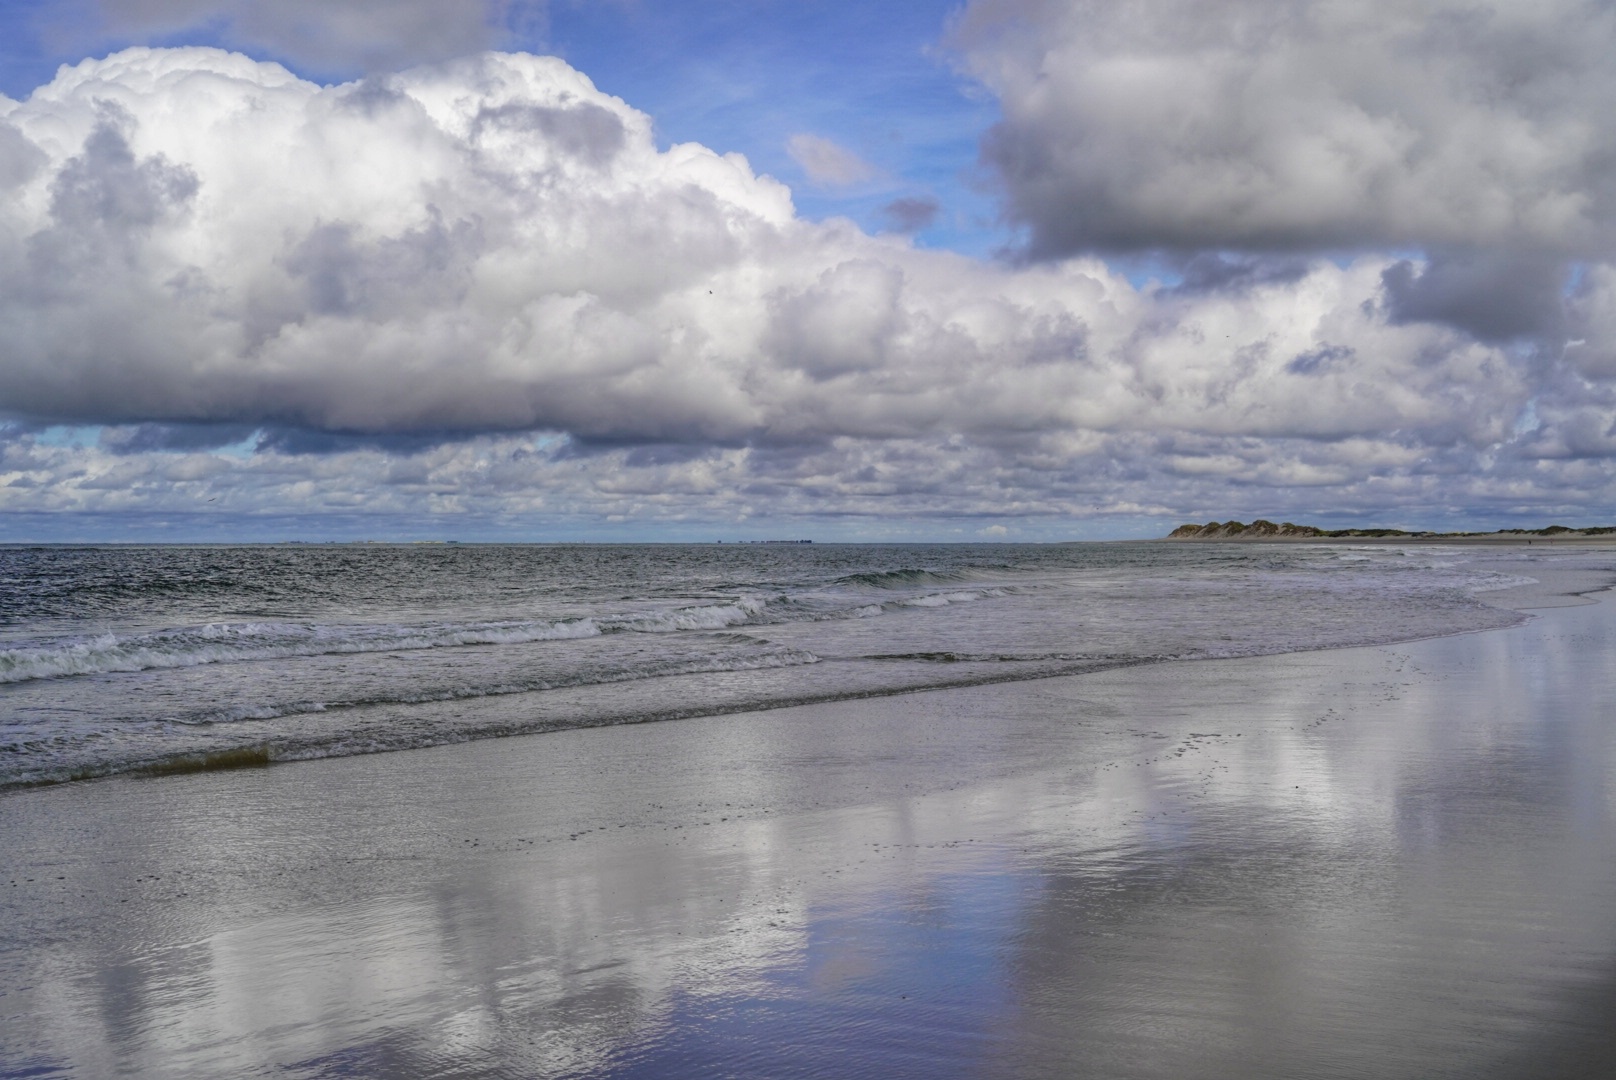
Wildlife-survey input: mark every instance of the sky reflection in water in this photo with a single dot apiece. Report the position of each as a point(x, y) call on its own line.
point(1388, 862)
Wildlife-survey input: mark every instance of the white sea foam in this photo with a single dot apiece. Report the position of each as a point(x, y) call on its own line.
point(219, 643)
point(719, 628)
point(1483, 583)
point(216, 643)
point(231, 642)
point(711, 617)
point(776, 658)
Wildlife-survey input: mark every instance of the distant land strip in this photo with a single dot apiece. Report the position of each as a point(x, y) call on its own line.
point(1266, 530)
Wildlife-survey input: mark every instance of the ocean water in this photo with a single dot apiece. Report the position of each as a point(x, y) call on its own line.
point(128, 659)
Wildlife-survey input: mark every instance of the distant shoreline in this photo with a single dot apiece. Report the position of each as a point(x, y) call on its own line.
point(1267, 532)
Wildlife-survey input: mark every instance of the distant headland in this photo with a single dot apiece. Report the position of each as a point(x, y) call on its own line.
point(1285, 531)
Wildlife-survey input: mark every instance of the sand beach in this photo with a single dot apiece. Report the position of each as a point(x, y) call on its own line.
point(1394, 861)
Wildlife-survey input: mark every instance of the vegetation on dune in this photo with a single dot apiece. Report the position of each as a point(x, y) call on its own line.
point(1264, 529)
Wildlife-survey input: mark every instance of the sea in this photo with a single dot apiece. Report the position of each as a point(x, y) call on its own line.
point(160, 659)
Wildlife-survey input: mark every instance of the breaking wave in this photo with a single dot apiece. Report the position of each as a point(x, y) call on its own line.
point(777, 658)
point(223, 643)
point(902, 579)
point(239, 642)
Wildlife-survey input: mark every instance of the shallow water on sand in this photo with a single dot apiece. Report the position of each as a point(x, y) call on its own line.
point(1388, 862)
point(126, 659)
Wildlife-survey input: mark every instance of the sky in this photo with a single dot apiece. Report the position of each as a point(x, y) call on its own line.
point(1020, 270)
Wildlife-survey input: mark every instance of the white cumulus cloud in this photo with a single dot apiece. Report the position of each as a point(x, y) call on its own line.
point(479, 287)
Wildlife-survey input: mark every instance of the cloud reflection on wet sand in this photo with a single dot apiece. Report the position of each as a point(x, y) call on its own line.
point(1389, 862)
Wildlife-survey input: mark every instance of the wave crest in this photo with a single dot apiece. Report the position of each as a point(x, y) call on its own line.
point(901, 579)
point(223, 643)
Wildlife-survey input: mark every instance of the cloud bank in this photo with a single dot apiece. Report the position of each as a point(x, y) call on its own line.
point(479, 287)
point(1248, 124)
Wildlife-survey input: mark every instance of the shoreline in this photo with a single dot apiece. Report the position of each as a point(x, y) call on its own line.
point(588, 706)
point(1085, 852)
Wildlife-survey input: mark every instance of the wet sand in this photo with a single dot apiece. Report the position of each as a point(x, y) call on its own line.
point(1380, 862)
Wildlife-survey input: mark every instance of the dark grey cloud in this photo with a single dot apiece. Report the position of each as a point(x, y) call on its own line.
point(1496, 296)
point(146, 438)
point(105, 186)
point(300, 441)
point(912, 213)
point(1320, 359)
point(667, 454)
point(346, 274)
point(1212, 272)
point(104, 202)
point(581, 129)
point(1253, 125)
